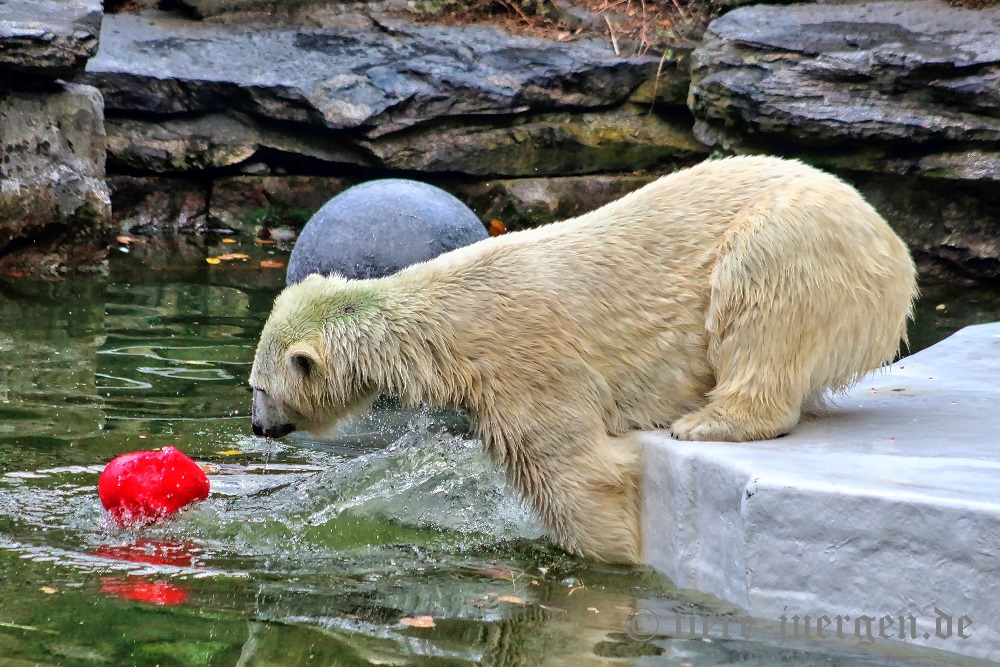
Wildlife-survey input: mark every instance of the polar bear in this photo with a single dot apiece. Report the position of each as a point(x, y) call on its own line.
point(712, 301)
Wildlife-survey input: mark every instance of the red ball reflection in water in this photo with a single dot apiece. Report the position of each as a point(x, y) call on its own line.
point(142, 590)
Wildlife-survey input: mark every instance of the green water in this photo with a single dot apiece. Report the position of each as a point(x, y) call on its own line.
point(307, 552)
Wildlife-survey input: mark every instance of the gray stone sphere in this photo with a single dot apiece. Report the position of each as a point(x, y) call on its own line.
point(379, 227)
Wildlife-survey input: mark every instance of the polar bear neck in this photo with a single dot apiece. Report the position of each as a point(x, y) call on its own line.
point(420, 356)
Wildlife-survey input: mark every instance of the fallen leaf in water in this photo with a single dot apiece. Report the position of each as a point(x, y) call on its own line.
point(265, 241)
point(208, 468)
point(230, 452)
point(497, 573)
point(940, 306)
point(229, 256)
point(268, 264)
point(594, 609)
point(229, 240)
point(124, 239)
point(497, 227)
point(48, 590)
point(512, 599)
point(213, 260)
point(418, 621)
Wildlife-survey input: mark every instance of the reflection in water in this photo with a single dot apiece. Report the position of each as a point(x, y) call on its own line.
point(306, 552)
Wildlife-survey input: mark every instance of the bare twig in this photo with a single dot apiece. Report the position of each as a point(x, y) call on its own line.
point(656, 81)
point(680, 11)
point(513, 6)
point(614, 40)
point(643, 44)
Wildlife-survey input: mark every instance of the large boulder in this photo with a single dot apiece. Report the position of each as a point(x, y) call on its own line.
point(902, 98)
point(377, 228)
point(54, 203)
point(381, 79)
point(904, 86)
point(52, 188)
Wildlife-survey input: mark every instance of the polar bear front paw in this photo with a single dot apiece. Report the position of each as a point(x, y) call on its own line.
point(734, 421)
point(703, 426)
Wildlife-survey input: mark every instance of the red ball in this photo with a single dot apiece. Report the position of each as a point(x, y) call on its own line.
point(140, 488)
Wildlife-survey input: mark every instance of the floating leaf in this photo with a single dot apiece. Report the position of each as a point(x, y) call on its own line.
point(551, 608)
point(48, 590)
point(208, 468)
point(265, 241)
point(213, 260)
point(124, 239)
point(229, 256)
point(512, 599)
point(268, 264)
point(230, 452)
point(418, 621)
point(497, 227)
point(229, 240)
point(497, 573)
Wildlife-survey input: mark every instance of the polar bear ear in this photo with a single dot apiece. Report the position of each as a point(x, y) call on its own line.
point(303, 360)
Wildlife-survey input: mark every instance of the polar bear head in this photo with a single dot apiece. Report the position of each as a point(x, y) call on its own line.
point(316, 356)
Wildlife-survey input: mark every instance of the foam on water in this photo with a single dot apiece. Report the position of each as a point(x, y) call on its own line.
point(429, 488)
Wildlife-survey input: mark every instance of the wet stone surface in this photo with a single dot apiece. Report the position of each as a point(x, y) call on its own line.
point(45, 39)
point(395, 75)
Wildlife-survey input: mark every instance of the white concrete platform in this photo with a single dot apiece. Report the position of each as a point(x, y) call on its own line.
point(888, 505)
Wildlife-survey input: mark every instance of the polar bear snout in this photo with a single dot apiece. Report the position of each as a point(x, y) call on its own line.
point(275, 432)
point(268, 419)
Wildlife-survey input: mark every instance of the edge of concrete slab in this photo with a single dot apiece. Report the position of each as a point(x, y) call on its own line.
point(886, 505)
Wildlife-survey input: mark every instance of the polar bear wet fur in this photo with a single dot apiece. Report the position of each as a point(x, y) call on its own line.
point(712, 301)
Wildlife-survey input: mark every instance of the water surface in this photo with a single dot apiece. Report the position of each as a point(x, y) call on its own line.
point(307, 552)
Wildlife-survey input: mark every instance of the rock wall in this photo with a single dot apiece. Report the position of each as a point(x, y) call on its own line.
point(237, 116)
point(200, 111)
point(901, 97)
point(55, 211)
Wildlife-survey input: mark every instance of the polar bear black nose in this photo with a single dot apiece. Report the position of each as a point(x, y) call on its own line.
point(272, 432)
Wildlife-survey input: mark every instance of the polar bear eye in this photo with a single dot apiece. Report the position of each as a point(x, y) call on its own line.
point(349, 310)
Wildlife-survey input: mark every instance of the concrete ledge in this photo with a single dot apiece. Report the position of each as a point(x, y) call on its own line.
point(889, 504)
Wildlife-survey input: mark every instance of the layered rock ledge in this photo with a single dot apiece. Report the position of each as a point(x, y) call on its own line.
point(47, 39)
point(197, 104)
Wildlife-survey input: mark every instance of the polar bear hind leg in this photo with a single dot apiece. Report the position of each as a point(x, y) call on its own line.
point(809, 295)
